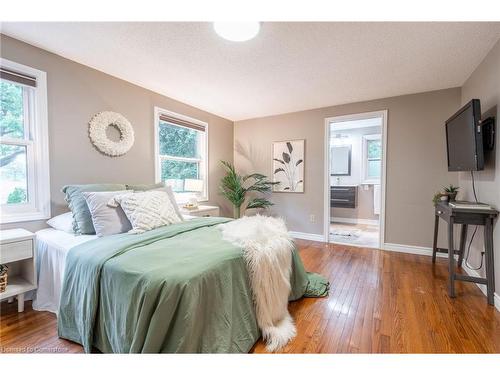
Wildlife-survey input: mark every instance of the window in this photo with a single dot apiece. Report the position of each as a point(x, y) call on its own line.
point(181, 154)
point(24, 163)
point(372, 160)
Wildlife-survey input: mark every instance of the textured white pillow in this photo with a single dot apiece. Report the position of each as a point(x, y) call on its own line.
point(62, 222)
point(146, 210)
point(171, 196)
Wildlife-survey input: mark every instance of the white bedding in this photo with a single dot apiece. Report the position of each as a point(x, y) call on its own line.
point(52, 246)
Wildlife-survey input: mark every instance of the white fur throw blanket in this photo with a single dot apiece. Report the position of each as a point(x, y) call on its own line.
point(267, 250)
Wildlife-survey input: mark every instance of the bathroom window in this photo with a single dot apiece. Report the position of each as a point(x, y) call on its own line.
point(372, 158)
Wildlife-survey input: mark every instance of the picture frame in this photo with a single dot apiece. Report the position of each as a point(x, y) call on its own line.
point(289, 166)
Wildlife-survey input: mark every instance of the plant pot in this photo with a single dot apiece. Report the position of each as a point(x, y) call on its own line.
point(236, 212)
point(452, 197)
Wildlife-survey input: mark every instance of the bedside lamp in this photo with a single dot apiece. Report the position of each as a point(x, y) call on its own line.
point(193, 186)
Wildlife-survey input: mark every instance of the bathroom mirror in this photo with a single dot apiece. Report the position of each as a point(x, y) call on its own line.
point(340, 160)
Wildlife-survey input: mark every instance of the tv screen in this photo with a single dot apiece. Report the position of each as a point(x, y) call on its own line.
point(464, 139)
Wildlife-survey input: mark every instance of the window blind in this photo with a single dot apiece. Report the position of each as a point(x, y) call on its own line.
point(186, 124)
point(12, 76)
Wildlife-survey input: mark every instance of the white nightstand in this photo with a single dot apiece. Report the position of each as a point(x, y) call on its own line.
point(17, 251)
point(201, 211)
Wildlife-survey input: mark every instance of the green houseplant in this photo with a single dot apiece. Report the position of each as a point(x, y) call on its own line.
point(235, 188)
point(451, 191)
point(437, 197)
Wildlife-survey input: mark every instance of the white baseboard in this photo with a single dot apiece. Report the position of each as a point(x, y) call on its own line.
point(308, 236)
point(410, 249)
point(482, 287)
point(354, 221)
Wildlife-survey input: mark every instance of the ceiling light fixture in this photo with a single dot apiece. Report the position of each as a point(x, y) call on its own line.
point(237, 31)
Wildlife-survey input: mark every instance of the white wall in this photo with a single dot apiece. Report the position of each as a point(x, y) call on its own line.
point(355, 139)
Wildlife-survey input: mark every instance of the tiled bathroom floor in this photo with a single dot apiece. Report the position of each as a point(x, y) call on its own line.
point(355, 234)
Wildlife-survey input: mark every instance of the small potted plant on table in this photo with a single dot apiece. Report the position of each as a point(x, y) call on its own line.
point(451, 191)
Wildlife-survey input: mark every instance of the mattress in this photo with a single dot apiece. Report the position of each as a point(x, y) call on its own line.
point(52, 247)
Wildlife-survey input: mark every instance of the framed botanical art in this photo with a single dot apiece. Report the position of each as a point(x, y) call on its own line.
point(288, 166)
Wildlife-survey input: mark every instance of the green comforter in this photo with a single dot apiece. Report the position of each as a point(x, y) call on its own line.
point(178, 288)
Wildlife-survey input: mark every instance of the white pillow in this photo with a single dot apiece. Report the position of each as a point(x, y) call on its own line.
point(146, 210)
point(107, 220)
point(62, 222)
point(171, 196)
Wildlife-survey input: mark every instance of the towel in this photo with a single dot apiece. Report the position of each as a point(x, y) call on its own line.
point(376, 199)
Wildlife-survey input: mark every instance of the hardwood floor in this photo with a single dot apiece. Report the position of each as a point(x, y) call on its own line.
point(379, 302)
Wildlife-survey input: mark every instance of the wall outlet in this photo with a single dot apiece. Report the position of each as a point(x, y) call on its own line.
point(312, 218)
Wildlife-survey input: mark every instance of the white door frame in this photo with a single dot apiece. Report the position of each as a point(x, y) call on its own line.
point(326, 201)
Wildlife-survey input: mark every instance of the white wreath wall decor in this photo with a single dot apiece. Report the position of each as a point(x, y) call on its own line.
point(98, 136)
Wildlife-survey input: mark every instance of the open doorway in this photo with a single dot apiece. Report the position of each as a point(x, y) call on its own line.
point(355, 179)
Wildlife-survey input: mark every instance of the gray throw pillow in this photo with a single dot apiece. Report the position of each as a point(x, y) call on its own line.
point(82, 220)
point(107, 220)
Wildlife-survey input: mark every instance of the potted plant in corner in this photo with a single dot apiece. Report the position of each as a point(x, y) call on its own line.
point(451, 191)
point(235, 188)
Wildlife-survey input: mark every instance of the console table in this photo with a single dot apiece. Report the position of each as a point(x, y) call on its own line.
point(465, 217)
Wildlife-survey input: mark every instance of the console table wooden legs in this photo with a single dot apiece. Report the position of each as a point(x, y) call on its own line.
point(484, 219)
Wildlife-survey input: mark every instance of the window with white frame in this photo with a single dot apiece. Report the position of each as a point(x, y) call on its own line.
point(181, 154)
point(372, 158)
point(24, 161)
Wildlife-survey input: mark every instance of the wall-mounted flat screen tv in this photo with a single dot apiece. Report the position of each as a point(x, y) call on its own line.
point(464, 139)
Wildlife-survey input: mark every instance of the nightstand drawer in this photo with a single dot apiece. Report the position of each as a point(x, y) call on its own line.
point(13, 251)
point(202, 211)
point(206, 213)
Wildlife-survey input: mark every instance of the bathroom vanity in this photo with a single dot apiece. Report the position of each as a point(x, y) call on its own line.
point(343, 196)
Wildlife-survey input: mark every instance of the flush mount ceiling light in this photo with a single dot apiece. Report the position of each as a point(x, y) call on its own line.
point(237, 31)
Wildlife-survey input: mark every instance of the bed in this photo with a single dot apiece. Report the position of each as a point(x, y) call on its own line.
point(178, 288)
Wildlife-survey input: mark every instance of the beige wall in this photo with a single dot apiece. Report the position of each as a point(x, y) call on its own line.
point(416, 147)
point(484, 84)
point(416, 160)
point(75, 93)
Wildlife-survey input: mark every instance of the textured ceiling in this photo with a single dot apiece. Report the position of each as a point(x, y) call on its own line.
point(287, 67)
